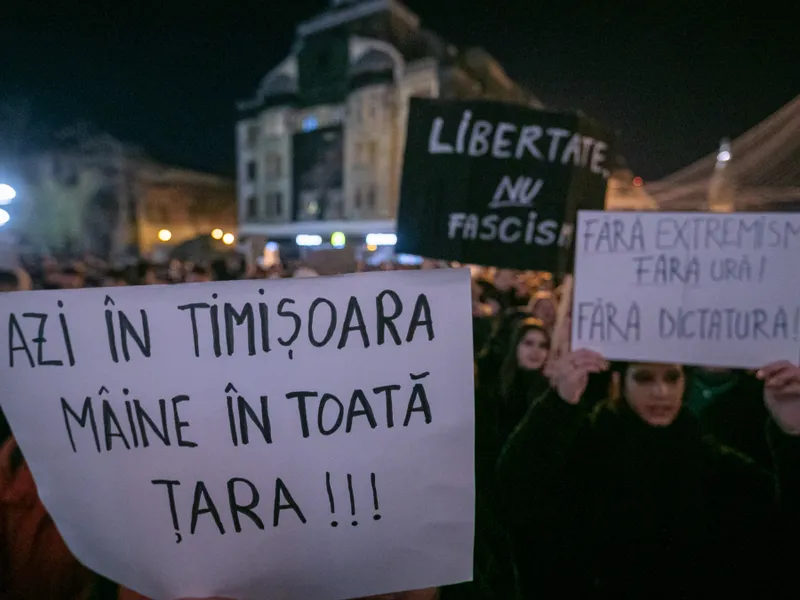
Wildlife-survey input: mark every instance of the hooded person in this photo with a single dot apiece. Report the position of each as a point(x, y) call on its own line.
point(632, 499)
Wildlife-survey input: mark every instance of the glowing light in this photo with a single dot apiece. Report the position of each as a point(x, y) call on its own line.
point(165, 235)
point(217, 234)
point(308, 240)
point(724, 156)
point(272, 246)
point(381, 239)
point(338, 239)
point(372, 247)
point(228, 239)
point(7, 193)
point(4, 217)
point(310, 124)
point(637, 181)
point(409, 259)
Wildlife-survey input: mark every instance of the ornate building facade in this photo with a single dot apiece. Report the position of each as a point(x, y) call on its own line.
point(320, 144)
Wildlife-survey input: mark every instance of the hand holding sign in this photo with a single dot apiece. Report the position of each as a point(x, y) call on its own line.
point(570, 373)
point(782, 394)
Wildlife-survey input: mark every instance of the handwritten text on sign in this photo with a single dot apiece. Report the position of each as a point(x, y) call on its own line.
point(239, 435)
point(696, 288)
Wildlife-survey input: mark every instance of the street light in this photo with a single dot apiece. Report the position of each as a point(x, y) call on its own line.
point(4, 217)
point(7, 193)
point(165, 235)
point(217, 234)
point(228, 239)
point(338, 239)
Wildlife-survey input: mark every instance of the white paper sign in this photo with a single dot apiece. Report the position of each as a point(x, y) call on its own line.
point(693, 288)
point(292, 439)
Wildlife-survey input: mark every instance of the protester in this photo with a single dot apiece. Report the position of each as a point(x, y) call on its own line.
point(634, 494)
point(543, 307)
point(198, 274)
point(579, 492)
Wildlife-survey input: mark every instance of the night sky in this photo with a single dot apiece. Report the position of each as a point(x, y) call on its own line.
point(671, 81)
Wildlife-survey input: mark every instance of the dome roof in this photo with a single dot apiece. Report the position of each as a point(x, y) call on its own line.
point(372, 61)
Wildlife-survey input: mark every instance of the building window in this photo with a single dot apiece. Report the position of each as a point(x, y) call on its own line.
point(372, 153)
point(252, 136)
point(275, 204)
point(358, 200)
point(274, 166)
point(371, 197)
point(251, 171)
point(274, 127)
point(251, 208)
point(357, 151)
point(374, 99)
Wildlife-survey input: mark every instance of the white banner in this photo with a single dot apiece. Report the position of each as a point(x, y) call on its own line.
point(255, 440)
point(695, 288)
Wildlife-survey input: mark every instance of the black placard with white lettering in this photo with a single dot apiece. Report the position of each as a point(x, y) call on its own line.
point(498, 184)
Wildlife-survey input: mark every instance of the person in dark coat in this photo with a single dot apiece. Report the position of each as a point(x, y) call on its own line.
point(501, 400)
point(633, 500)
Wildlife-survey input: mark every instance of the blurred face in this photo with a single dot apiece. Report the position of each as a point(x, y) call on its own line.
point(655, 392)
point(545, 312)
point(532, 350)
point(69, 281)
point(197, 278)
point(504, 279)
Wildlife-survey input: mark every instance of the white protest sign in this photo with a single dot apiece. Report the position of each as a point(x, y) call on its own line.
point(694, 288)
point(306, 438)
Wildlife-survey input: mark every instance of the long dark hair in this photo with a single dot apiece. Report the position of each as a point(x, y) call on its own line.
point(510, 369)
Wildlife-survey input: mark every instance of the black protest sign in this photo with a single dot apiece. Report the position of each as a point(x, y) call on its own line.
point(498, 184)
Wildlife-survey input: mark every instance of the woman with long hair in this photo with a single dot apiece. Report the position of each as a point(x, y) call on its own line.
point(521, 376)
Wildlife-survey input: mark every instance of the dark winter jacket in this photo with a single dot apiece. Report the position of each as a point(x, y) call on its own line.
point(603, 505)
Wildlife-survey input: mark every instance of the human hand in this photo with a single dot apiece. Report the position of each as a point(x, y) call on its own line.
point(569, 373)
point(782, 394)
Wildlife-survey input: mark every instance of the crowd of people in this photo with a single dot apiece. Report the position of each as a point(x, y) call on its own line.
point(593, 479)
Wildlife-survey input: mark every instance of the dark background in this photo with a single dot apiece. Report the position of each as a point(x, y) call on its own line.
point(671, 78)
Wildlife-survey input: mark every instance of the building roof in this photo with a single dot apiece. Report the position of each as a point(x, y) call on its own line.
point(390, 22)
point(764, 169)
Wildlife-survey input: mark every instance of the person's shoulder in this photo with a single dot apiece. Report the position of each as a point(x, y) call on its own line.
point(727, 461)
point(16, 482)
